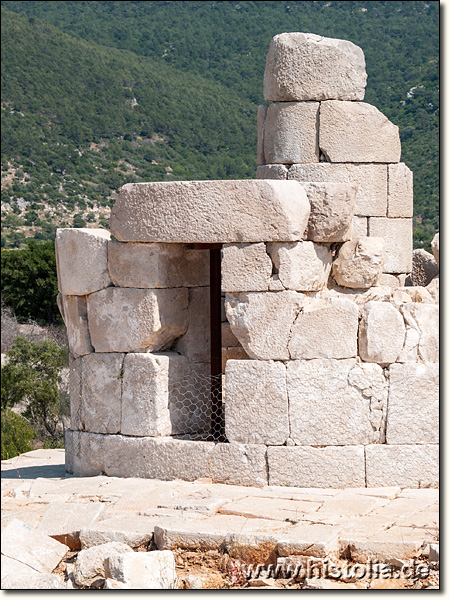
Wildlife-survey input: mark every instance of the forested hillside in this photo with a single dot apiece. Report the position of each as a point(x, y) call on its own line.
point(95, 94)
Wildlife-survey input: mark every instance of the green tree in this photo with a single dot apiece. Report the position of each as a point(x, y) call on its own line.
point(17, 434)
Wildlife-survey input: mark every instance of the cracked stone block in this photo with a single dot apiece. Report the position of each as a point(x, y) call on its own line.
point(357, 132)
point(325, 328)
point(256, 407)
point(301, 266)
point(359, 263)
point(307, 466)
point(205, 211)
point(400, 191)
point(435, 247)
point(195, 343)
point(291, 133)
point(261, 118)
point(245, 268)
point(305, 66)
point(157, 265)
point(135, 320)
point(262, 322)
point(237, 464)
point(74, 313)
point(381, 333)
point(336, 402)
point(413, 416)
point(397, 234)
point(422, 332)
point(82, 260)
point(424, 267)
point(409, 466)
point(271, 172)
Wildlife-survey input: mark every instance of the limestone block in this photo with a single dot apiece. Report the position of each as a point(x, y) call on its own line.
point(310, 539)
point(275, 284)
point(31, 581)
point(433, 289)
point(291, 133)
point(74, 313)
point(359, 297)
point(195, 343)
point(237, 464)
point(409, 466)
point(336, 402)
point(133, 320)
point(229, 340)
point(63, 521)
point(397, 234)
point(359, 227)
point(143, 571)
point(370, 179)
point(306, 466)
point(332, 208)
point(305, 66)
point(262, 321)
point(89, 566)
point(424, 267)
point(205, 212)
point(75, 394)
point(413, 416)
point(385, 279)
point(325, 328)
point(417, 293)
point(301, 266)
point(233, 354)
point(132, 529)
point(82, 260)
point(245, 268)
point(157, 265)
point(357, 132)
point(85, 453)
point(381, 333)
point(422, 332)
point(271, 172)
point(262, 112)
point(256, 408)
point(435, 247)
point(400, 191)
point(360, 262)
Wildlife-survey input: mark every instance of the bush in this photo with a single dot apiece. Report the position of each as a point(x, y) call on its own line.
point(17, 434)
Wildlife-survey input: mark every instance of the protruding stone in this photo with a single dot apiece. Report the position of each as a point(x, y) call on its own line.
point(74, 313)
point(424, 267)
point(205, 211)
point(143, 570)
point(381, 333)
point(400, 191)
point(433, 289)
point(435, 247)
point(256, 407)
point(82, 260)
point(397, 234)
point(357, 132)
point(63, 521)
point(134, 320)
point(271, 172)
point(305, 66)
point(245, 268)
point(359, 263)
point(89, 567)
point(409, 466)
point(422, 332)
point(301, 266)
point(195, 344)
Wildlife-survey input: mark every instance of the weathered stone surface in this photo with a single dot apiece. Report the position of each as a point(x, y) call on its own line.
point(245, 268)
point(370, 179)
point(310, 540)
point(332, 208)
point(413, 465)
point(206, 211)
point(35, 581)
point(359, 227)
point(397, 234)
point(357, 132)
point(291, 133)
point(134, 320)
point(195, 344)
point(262, 321)
point(63, 521)
point(82, 260)
point(325, 328)
point(359, 263)
point(336, 402)
point(233, 354)
point(237, 464)
point(301, 266)
point(306, 466)
point(413, 416)
point(422, 332)
point(271, 172)
point(433, 289)
point(112, 584)
point(381, 333)
point(143, 571)
point(400, 191)
point(305, 66)
point(75, 394)
point(85, 453)
point(74, 313)
point(89, 567)
point(417, 293)
point(359, 297)
point(424, 267)
point(385, 279)
point(435, 247)
point(256, 407)
point(157, 265)
point(131, 530)
point(261, 119)
point(229, 340)
point(281, 509)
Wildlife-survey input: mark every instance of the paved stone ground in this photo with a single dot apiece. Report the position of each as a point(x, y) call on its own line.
point(359, 524)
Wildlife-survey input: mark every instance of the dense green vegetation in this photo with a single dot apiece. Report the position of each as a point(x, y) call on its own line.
point(95, 94)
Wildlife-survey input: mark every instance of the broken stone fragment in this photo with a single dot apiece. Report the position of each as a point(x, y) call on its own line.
point(359, 263)
point(74, 313)
point(89, 567)
point(301, 266)
point(245, 268)
point(422, 332)
point(397, 234)
point(381, 333)
point(435, 247)
point(143, 570)
point(424, 267)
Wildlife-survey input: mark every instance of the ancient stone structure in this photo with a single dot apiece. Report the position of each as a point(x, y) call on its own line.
point(329, 363)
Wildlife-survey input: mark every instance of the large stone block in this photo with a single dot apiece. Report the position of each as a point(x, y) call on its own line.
point(357, 132)
point(435, 247)
point(370, 179)
point(262, 322)
point(157, 265)
point(85, 453)
point(413, 416)
point(381, 333)
point(301, 266)
point(195, 343)
point(210, 212)
point(424, 267)
point(63, 521)
point(75, 393)
point(328, 467)
point(397, 234)
point(245, 268)
point(325, 328)
point(143, 571)
point(256, 407)
point(82, 260)
point(291, 133)
point(305, 66)
point(359, 226)
point(237, 464)
point(133, 320)
point(422, 332)
point(74, 313)
point(409, 466)
point(359, 262)
point(400, 191)
point(271, 172)
point(336, 402)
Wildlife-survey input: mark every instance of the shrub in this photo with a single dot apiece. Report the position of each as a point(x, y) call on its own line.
point(17, 434)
